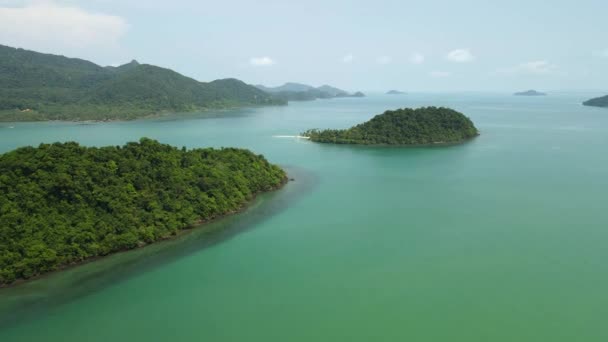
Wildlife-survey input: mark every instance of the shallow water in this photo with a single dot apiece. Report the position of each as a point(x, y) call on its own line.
point(499, 239)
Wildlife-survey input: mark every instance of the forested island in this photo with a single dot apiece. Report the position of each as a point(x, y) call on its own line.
point(395, 92)
point(302, 92)
point(597, 102)
point(422, 126)
point(37, 87)
point(530, 93)
point(62, 203)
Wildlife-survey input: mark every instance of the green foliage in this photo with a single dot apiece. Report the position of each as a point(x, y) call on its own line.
point(422, 126)
point(36, 86)
point(597, 102)
point(63, 203)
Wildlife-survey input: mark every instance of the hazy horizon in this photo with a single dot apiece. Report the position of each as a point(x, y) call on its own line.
point(436, 46)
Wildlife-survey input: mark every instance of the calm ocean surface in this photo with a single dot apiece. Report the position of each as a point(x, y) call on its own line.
point(504, 238)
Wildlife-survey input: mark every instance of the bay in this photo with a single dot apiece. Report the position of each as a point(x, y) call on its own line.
point(499, 239)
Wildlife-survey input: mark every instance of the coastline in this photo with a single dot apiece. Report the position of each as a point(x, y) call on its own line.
point(154, 115)
point(434, 144)
point(199, 224)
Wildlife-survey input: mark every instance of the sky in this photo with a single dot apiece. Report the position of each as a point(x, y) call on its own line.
point(430, 45)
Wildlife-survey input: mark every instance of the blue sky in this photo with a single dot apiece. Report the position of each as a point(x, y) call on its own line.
point(433, 45)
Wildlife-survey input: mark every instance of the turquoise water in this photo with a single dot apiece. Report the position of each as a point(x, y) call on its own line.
point(499, 239)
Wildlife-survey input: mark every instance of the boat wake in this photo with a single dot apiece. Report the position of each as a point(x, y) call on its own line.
point(290, 136)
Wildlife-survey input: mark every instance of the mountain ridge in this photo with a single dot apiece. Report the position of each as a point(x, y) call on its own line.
point(36, 87)
point(292, 91)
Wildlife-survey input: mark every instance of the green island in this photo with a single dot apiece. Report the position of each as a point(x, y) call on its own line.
point(597, 102)
point(62, 203)
point(421, 126)
point(39, 87)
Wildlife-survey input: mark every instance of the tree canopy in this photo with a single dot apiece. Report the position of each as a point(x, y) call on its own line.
point(63, 203)
point(422, 126)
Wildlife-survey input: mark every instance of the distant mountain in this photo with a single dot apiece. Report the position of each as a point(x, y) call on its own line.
point(302, 92)
point(597, 102)
point(530, 93)
point(395, 92)
point(333, 91)
point(289, 86)
point(37, 86)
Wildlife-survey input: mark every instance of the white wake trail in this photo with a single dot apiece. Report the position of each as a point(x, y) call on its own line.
point(290, 136)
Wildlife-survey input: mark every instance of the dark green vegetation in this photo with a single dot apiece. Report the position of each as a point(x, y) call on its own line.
point(63, 203)
point(302, 92)
point(597, 102)
point(36, 86)
point(422, 126)
point(395, 92)
point(530, 93)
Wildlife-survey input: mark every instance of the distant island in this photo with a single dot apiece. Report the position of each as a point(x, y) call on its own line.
point(395, 92)
point(530, 93)
point(63, 203)
point(597, 102)
point(302, 92)
point(422, 126)
point(37, 87)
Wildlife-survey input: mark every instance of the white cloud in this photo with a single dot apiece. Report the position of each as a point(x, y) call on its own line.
point(348, 58)
point(51, 27)
point(384, 60)
point(262, 61)
point(534, 67)
point(440, 74)
point(460, 56)
point(417, 58)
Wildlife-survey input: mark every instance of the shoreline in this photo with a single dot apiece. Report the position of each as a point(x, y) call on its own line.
point(434, 144)
point(154, 115)
point(199, 224)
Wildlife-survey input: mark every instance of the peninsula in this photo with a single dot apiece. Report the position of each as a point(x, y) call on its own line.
point(597, 102)
point(422, 126)
point(62, 203)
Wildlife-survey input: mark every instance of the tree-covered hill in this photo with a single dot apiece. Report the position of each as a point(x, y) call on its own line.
point(422, 126)
point(64, 203)
point(597, 102)
point(36, 86)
